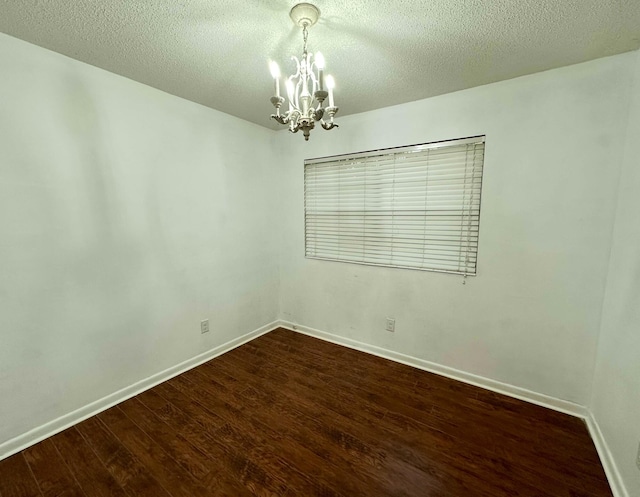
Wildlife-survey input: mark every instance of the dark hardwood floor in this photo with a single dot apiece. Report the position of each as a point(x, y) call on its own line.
point(289, 415)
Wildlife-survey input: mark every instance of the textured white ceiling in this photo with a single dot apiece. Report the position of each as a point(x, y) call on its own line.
point(215, 52)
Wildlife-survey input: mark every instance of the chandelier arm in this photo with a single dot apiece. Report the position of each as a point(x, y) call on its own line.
point(293, 100)
point(314, 80)
point(280, 119)
point(291, 97)
point(329, 125)
point(331, 111)
point(294, 119)
point(296, 94)
point(297, 73)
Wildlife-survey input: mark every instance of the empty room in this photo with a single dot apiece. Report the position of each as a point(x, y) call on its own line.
point(326, 249)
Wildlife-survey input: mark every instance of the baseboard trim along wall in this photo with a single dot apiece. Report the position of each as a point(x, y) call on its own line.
point(610, 468)
point(455, 374)
point(606, 458)
point(49, 429)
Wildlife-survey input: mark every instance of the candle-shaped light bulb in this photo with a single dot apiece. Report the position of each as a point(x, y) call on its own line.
point(320, 66)
point(275, 73)
point(275, 69)
point(330, 86)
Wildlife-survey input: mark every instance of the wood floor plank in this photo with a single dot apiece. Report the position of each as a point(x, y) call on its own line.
point(88, 471)
point(174, 444)
point(294, 448)
point(259, 453)
point(205, 425)
point(237, 437)
point(16, 479)
point(134, 478)
point(52, 474)
point(177, 481)
point(288, 415)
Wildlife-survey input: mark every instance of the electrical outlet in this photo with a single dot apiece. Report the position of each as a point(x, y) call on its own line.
point(391, 324)
point(204, 326)
point(638, 456)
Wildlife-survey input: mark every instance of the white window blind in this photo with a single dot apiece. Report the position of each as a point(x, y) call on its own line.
point(411, 207)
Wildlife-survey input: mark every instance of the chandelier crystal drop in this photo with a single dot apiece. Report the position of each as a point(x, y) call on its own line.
point(305, 88)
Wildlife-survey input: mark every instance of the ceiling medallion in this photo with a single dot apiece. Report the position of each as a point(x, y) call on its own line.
point(306, 87)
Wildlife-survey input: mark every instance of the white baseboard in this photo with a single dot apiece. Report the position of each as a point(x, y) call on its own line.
point(606, 458)
point(608, 463)
point(49, 429)
point(563, 406)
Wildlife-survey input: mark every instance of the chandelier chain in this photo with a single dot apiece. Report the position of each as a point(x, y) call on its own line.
point(305, 34)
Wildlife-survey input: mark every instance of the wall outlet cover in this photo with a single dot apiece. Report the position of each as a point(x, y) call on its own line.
point(204, 326)
point(391, 324)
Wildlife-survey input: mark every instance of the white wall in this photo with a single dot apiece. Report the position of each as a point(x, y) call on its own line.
point(616, 387)
point(531, 316)
point(126, 216)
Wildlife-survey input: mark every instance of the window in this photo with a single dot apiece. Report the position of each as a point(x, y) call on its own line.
point(412, 207)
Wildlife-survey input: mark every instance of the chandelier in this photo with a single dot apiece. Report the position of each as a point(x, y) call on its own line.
point(306, 87)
